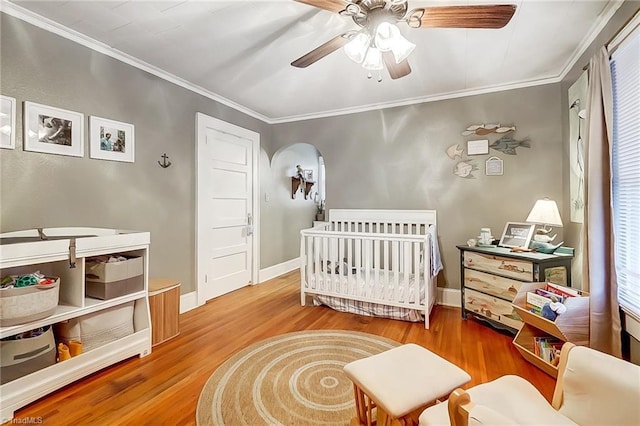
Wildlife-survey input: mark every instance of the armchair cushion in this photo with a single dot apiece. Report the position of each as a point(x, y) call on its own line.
point(511, 396)
point(600, 389)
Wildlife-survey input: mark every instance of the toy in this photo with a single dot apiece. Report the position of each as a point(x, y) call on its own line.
point(557, 307)
point(548, 313)
point(552, 309)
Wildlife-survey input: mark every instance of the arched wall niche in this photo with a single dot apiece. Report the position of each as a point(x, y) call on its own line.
point(283, 216)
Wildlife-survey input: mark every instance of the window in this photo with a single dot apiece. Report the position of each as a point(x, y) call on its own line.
point(625, 72)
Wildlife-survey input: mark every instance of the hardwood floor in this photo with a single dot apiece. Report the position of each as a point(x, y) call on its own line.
point(163, 388)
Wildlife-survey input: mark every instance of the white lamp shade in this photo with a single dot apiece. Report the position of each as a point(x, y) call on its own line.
point(401, 48)
point(373, 59)
point(545, 212)
point(386, 35)
point(356, 49)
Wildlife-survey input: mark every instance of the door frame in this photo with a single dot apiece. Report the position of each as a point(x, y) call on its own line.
point(203, 121)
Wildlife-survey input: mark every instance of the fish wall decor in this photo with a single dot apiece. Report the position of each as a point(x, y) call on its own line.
point(454, 151)
point(485, 129)
point(464, 168)
point(508, 145)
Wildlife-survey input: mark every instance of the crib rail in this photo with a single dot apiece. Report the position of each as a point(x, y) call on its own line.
point(412, 222)
point(384, 268)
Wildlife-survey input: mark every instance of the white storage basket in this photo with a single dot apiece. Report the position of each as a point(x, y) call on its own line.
point(98, 329)
point(21, 305)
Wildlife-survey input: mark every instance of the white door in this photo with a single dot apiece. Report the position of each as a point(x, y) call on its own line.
point(227, 189)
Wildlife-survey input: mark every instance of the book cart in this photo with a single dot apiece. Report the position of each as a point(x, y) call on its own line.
point(571, 326)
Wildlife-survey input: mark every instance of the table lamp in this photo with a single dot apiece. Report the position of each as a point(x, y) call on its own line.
point(544, 212)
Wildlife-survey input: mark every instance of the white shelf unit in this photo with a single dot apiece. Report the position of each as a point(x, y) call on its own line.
point(52, 257)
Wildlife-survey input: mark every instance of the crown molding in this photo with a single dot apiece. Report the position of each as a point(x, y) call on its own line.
point(607, 13)
point(419, 100)
point(70, 34)
point(75, 36)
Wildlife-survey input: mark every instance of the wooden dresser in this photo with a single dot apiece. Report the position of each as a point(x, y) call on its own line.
point(491, 277)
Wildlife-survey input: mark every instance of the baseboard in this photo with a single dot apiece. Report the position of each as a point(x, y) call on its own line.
point(276, 270)
point(449, 297)
point(188, 301)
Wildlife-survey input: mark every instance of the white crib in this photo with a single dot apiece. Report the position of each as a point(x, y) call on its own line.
point(374, 262)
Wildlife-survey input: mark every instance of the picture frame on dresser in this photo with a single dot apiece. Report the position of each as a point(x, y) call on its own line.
point(517, 234)
point(53, 130)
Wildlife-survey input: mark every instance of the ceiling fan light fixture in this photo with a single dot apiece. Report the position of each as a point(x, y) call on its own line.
point(356, 49)
point(373, 59)
point(401, 48)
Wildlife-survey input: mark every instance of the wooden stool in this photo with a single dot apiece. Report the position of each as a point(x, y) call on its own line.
point(164, 305)
point(401, 383)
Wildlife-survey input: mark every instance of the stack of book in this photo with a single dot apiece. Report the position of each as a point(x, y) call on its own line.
point(548, 348)
point(550, 293)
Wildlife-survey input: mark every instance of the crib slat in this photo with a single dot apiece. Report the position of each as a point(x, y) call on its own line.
point(395, 246)
point(309, 260)
point(376, 264)
point(406, 250)
point(358, 258)
point(386, 268)
point(416, 272)
point(367, 266)
point(325, 264)
point(342, 265)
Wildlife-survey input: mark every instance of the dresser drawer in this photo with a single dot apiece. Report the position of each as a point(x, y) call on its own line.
point(492, 307)
point(515, 268)
point(495, 285)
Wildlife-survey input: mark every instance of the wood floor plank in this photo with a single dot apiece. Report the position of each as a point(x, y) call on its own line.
point(163, 388)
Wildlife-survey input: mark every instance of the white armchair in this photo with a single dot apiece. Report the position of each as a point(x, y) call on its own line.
point(593, 388)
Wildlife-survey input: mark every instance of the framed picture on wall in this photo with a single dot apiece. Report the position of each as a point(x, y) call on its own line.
point(111, 140)
point(478, 147)
point(308, 175)
point(7, 122)
point(53, 130)
point(517, 234)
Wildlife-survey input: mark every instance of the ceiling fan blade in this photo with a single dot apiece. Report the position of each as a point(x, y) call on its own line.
point(395, 70)
point(480, 16)
point(322, 51)
point(330, 5)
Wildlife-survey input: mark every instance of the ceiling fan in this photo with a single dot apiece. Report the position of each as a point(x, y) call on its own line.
point(379, 43)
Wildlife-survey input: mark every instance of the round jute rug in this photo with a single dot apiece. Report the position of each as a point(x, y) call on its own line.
point(292, 379)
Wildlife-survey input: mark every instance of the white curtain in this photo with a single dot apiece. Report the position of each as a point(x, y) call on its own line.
point(598, 271)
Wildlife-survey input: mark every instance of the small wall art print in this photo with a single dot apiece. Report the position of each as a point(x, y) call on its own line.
point(111, 140)
point(478, 147)
point(517, 234)
point(308, 175)
point(53, 130)
point(7, 122)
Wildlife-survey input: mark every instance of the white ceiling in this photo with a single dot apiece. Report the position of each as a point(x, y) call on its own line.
point(240, 52)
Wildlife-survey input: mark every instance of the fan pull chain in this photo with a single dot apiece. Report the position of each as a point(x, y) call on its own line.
point(379, 77)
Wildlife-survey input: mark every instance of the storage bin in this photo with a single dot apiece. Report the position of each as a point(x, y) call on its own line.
point(20, 305)
point(109, 280)
point(19, 357)
point(98, 329)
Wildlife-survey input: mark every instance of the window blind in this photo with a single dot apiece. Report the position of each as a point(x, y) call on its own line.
point(625, 72)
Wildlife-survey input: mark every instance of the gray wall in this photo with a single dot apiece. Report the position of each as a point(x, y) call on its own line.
point(395, 158)
point(53, 190)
